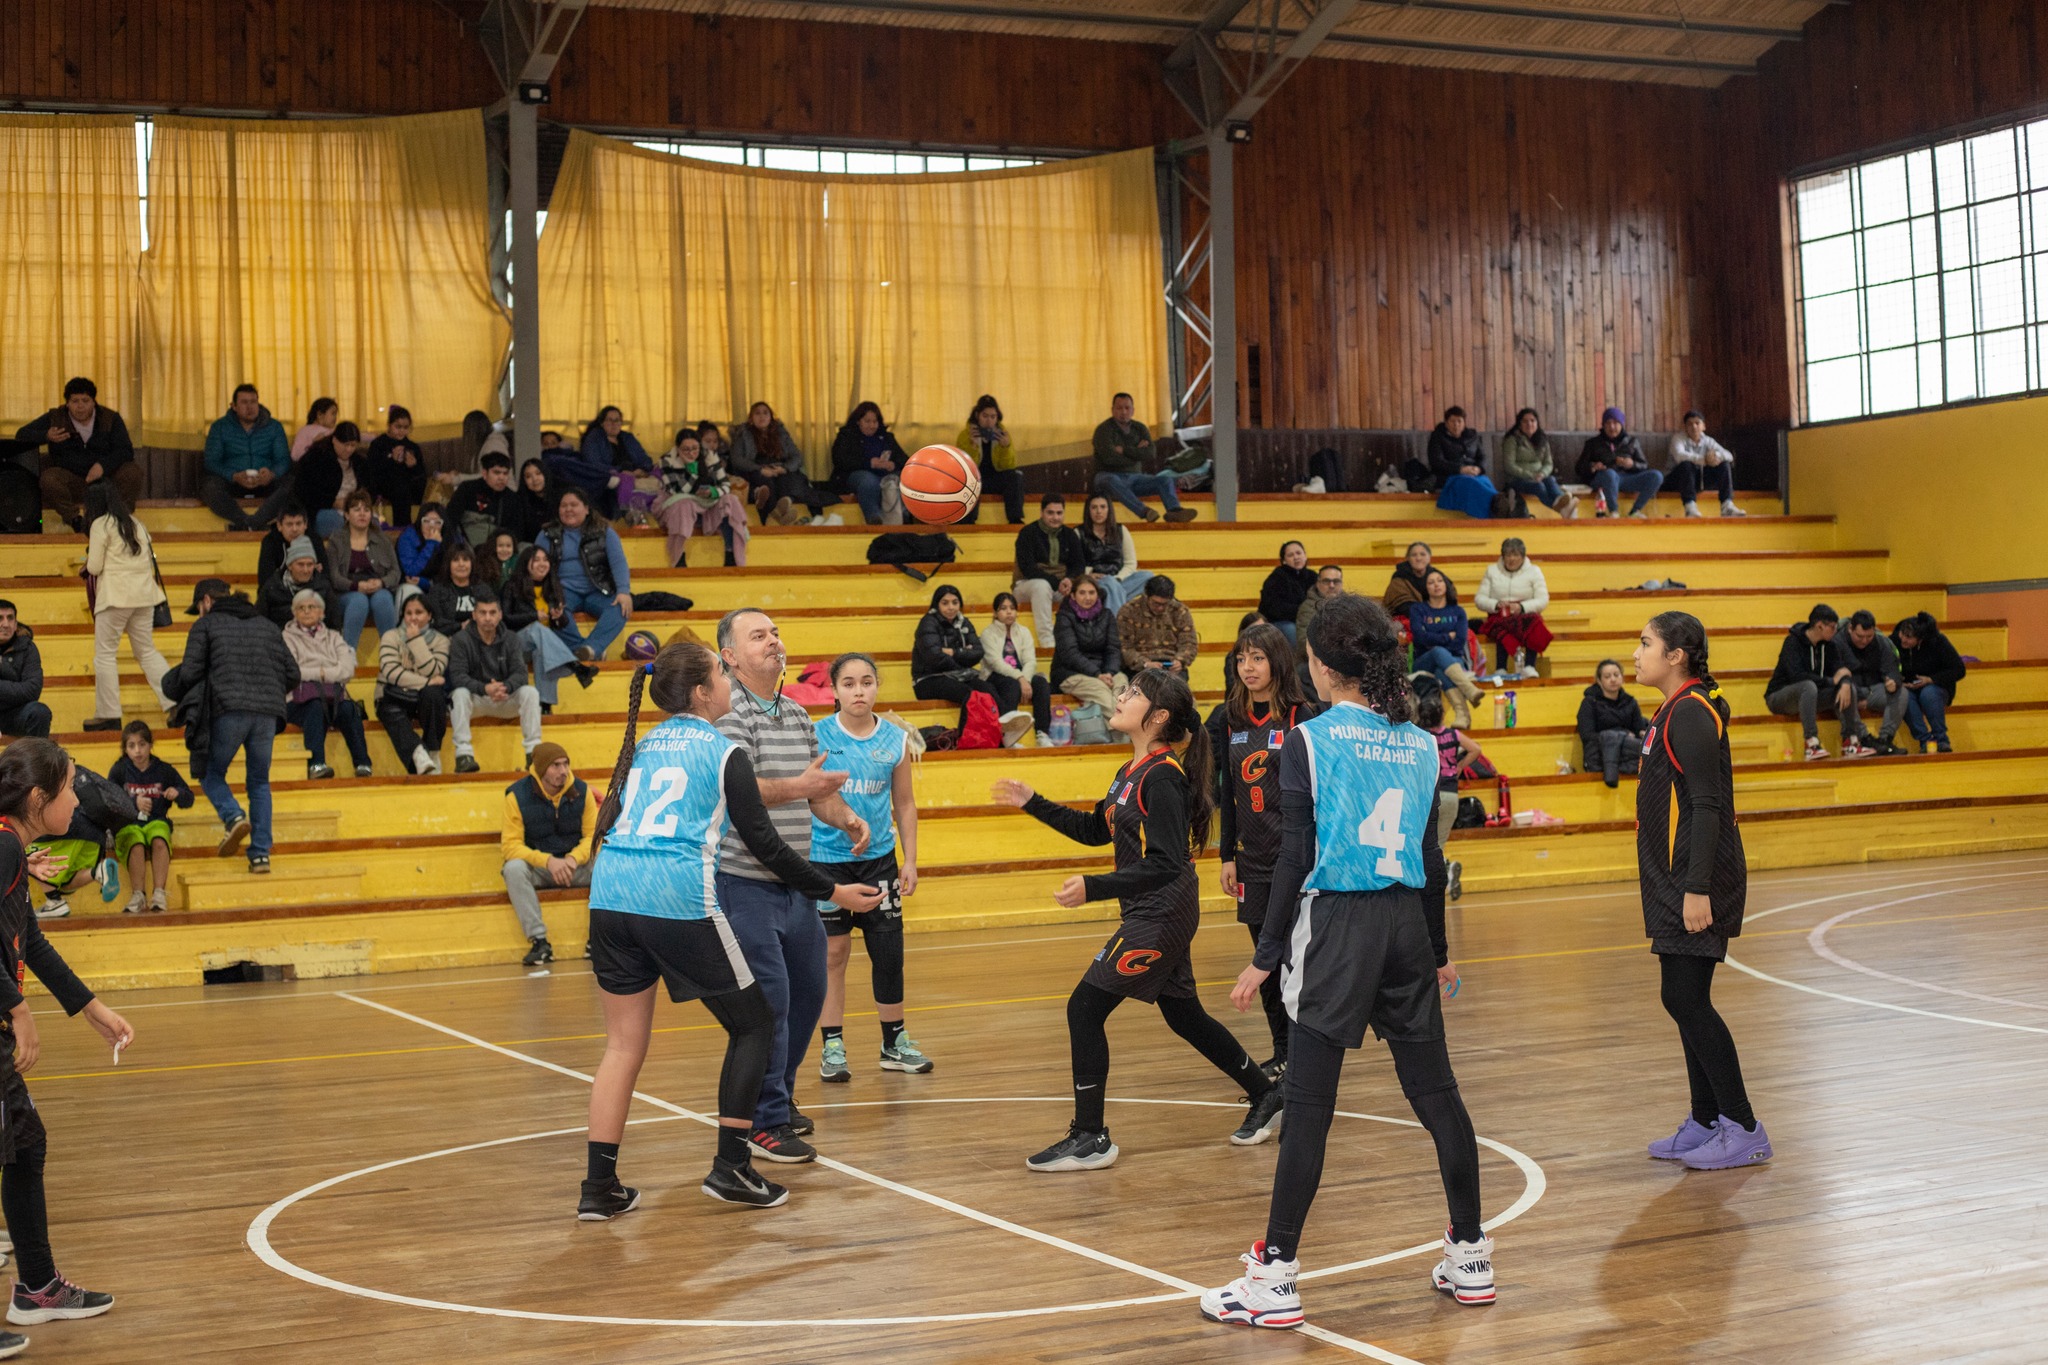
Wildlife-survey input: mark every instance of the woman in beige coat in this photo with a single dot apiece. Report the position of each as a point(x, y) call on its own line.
point(412, 684)
point(125, 600)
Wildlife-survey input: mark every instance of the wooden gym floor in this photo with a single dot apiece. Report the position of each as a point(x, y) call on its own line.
point(323, 1171)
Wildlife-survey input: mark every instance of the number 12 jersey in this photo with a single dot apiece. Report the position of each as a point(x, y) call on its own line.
point(661, 855)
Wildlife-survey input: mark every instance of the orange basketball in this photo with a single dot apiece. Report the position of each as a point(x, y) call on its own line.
point(940, 485)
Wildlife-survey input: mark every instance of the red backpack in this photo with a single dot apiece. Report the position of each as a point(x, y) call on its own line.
point(981, 729)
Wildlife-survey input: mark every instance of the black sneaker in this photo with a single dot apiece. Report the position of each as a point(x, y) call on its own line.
point(465, 764)
point(603, 1201)
point(1456, 870)
point(1079, 1150)
point(1263, 1121)
point(259, 863)
point(800, 1122)
point(318, 772)
point(12, 1344)
point(742, 1184)
point(586, 674)
point(364, 770)
point(1886, 749)
point(58, 1299)
point(1274, 1068)
point(539, 953)
point(782, 1144)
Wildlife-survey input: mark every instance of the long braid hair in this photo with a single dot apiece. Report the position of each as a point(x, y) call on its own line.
point(1184, 731)
point(677, 672)
point(1355, 638)
point(1683, 632)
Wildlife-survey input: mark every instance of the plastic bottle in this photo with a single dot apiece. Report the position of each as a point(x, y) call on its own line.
point(1507, 806)
point(1508, 699)
point(1062, 726)
point(1500, 710)
point(1600, 502)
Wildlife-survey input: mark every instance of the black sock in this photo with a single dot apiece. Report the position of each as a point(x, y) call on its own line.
point(1467, 1233)
point(732, 1145)
point(1088, 1102)
point(1749, 1127)
point(891, 1032)
point(831, 1031)
point(604, 1161)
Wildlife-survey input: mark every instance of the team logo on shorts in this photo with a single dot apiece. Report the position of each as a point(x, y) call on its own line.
point(1137, 960)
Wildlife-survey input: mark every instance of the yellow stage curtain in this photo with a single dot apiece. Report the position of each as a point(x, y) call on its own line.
point(682, 289)
point(67, 260)
point(346, 258)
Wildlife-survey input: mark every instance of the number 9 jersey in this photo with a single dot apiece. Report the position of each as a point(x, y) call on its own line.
point(661, 856)
point(1374, 784)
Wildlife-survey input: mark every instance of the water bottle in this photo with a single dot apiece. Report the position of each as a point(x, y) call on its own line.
point(1062, 726)
point(1500, 710)
point(1508, 697)
point(1600, 502)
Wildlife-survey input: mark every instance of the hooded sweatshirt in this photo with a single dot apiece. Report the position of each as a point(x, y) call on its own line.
point(21, 669)
point(1933, 658)
point(1803, 660)
point(1597, 713)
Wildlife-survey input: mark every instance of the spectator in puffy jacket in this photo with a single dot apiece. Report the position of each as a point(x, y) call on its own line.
point(945, 657)
point(302, 572)
point(1531, 471)
point(550, 825)
point(1932, 670)
point(248, 673)
point(1157, 630)
point(602, 463)
point(1453, 452)
point(395, 468)
point(1878, 686)
point(1611, 726)
point(85, 443)
point(1088, 656)
point(246, 454)
point(1513, 594)
point(22, 712)
point(867, 461)
point(1698, 461)
point(419, 543)
point(1286, 588)
point(363, 564)
point(1811, 675)
point(321, 699)
point(412, 684)
point(1441, 635)
point(487, 675)
point(1613, 462)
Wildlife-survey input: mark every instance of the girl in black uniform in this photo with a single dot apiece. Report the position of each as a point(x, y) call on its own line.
point(1245, 734)
point(1695, 880)
point(1157, 814)
point(36, 801)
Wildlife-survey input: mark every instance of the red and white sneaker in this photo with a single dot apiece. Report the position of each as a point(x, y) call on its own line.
point(1858, 747)
point(1264, 1296)
point(1466, 1271)
point(1815, 750)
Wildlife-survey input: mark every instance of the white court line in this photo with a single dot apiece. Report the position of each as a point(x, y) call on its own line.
point(1957, 880)
point(1186, 1288)
point(1817, 940)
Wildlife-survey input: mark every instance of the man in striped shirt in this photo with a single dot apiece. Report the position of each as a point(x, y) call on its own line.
point(778, 927)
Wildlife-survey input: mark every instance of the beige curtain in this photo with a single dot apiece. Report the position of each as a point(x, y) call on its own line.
point(346, 258)
point(681, 289)
point(67, 260)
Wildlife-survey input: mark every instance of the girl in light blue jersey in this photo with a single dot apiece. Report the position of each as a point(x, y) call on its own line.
point(875, 756)
point(1347, 927)
point(655, 917)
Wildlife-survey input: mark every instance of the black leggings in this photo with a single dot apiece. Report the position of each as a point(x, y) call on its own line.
point(1009, 695)
point(941, 687)
point(1089, 1008)
point(1313, 1067)
point(1277, 1022)
point(1712, 1069)
point(749, 1022)
point(431, 713)
point(885, 960)
point(28, 1219)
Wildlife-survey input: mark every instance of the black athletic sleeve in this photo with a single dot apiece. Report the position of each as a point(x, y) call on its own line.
point(750, 821)
point(1297, 851)
point(1082, 827)
point(1696, 746)
point(1433, 906)
point(1226, 793)
point(1161, 801)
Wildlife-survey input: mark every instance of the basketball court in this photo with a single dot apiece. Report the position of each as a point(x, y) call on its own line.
point(402, 1157)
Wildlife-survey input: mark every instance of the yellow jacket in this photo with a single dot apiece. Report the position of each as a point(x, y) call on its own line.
point(512, 843)
point(1003, 456)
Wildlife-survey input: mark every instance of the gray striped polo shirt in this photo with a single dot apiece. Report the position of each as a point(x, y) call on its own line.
point(778, 744)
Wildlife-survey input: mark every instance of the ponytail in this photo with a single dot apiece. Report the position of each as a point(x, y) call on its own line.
point(615, 792)
point(1355, 638)
point(676, 673)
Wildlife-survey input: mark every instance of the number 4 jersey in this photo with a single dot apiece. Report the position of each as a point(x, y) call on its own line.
point(1373, 784)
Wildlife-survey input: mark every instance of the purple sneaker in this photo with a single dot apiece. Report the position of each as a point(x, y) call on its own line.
point(1730, 1146)
point(1692, 1133)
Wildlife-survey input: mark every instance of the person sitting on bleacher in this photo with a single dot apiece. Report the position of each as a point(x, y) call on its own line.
point(1087, 656)
point(1409, 582)
point(535, 611)
point(246, 453)
point(86, 443)
point(1453, 452)
point(537, 498)
point(550, 821)
point(1613, 462)
point(1157, 630)
point(456, 588)
point(1513, 595)
point(302, 572)
point(321, 418)
point(22, 712)
point(1699, 461)
point(1531, 471)
point(327, 476)
point(867, 461)
point(412, 684)
point(487, 675)
point(591, 560)
point(1009, 659)
point(1440, 633)
point(481, 505)
point(1329, 585)
point(363, 565)
point(1050, 560)
point(419, 543)
point(604, 465)
point(1879, 686)
point(1811, 667)
point(321, 699)
point(1122, 446)
point(1610, 725)
point(289, 526)
point(1932, 670)
point(1287, 586)
point(395, 468)
point(1110, 553)
point(763, 453)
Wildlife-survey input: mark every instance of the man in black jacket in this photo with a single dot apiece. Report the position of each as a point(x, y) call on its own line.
point(302, 572)
point(1049, 559)
point(487, 674)
point(247, 671)
point(481, 505)
point(86, 443)
point(22, 713)
point(1613, 462)
point(1876, 683)
point(1453, 450)
point(1811, 667)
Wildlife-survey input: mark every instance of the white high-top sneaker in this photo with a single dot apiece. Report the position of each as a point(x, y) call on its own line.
point(1264, 1296)
point(1466, 1271)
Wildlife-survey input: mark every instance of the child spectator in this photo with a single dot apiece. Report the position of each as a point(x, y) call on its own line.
point(155, 787)
point(1610, 726)
point(1811, 666)
point(504, 550)
point(1932, 671)
point(1513, 595)
point(1698, 461)
point(1158, 631)
point(321, 699)
point(419, 543)
point(1874, 673)
point(1456, 752)
point(1441, 636)
point(1087, 656)
point(1286, 588)
point(697, 488)
point(1009, 660)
